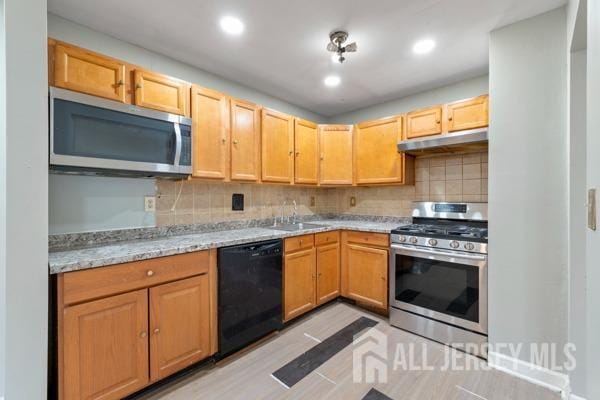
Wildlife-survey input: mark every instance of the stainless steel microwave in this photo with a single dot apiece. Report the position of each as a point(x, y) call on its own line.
point(93, 135)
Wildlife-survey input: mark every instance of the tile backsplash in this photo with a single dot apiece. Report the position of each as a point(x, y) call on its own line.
point(456, 177)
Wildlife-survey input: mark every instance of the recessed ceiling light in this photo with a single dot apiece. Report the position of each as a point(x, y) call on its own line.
point(424, 46)
point(232, 25)
point(332, 80)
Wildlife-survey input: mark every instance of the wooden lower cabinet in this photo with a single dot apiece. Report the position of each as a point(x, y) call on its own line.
point(106, 347)
point(365, 269)
point(328, 272)
point(179, 325)
point(299, 272)
point(115, 345)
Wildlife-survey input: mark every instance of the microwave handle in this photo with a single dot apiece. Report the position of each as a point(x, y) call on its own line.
point(177, 143)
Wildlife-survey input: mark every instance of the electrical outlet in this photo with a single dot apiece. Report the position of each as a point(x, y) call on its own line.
point(149, 203)
point(352, 201)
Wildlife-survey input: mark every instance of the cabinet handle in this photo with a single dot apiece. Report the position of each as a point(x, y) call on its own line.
point(224, 140)
point(235, 142)
point(437, 121)
point(149, 272)
point(322, 157)
point(138, 86)
point(120, 82)
point(143, 334)
point(297, 153)
point(383, 278)
point(156, 331)
point(450, 118)
point(291, 152)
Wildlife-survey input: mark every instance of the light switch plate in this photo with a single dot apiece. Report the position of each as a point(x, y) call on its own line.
point(591, 209)
point(149, 203)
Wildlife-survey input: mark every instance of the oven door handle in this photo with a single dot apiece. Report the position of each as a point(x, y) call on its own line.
point(473, 259)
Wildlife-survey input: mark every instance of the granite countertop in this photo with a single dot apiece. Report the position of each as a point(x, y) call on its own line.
point(125, 251)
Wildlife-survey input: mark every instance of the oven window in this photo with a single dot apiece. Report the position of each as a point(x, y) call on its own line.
point(448, 288)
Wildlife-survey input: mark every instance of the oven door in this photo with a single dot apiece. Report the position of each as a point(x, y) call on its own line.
point(448, 286)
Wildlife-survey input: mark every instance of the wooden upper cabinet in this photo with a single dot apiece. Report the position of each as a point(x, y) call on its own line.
point(210, 131)
point(179, 325)
point(106, 347)
point(84, 71)
point(425, 122)
point(299, 275)
point(277, 147)
point(306, 152)
point(468, 114)
point(328, 272)
point(245, 141)
point(376, 156)
point(335, 148)
point(161, 92)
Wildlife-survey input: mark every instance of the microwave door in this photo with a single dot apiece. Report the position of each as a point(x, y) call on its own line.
point(120, 138)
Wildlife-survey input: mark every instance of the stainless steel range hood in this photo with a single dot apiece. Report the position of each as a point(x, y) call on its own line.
point(455, 141)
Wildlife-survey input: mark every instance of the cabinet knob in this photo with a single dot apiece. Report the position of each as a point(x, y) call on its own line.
point(291, 152)
point(450, 118)
point(224, 140)
point(156, 331)
point(120, 82)
point(235, 142)
point(300, 241)
point(149, 272)
point(437, 121)
point(297, 153)
point(383, 278)
point(138, 86)
point(143, 334)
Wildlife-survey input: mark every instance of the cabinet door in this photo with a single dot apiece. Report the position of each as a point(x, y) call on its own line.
point(335, 146)
point(366, 271)
point(277, 147)
point(161, 92)
point(210, 131)
point(299, 275)
point(328, 272)
point(179, 325)
point(245, 141)
point(424, 122)
point(468, 114)
point(306, 152)
point(376, 157)
point(106, 347)
point(84, 71)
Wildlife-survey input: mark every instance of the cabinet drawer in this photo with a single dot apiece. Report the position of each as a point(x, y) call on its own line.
point(299, 242)
point(89, 284)
point(326, 238)
point(368, 238)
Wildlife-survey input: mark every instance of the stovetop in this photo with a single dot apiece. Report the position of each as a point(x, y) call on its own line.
point(458, 231)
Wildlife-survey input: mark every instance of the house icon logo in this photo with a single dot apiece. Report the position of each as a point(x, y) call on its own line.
point(369, 357)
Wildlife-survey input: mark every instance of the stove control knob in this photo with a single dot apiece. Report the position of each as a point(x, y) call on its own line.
point(432, 242)
point(413, 240)
point(454, 244)
point(402, 239)
point(469, 246)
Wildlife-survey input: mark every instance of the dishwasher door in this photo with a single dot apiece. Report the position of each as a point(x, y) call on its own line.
point(250, 293)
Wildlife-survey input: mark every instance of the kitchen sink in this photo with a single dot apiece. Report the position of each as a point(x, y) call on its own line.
point(295, 227)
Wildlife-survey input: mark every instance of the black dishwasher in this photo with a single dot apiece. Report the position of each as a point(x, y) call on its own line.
point(250, 293)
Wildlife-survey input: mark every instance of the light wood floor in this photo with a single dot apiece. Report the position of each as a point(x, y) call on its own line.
point(248, 376)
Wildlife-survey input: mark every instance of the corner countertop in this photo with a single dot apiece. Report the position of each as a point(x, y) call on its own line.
point(127, 251)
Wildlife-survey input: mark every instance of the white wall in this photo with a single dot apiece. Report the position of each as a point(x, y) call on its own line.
point(91, 203)
point(593, 181)
point(24, 200)
point(528, 188)
point(577, 217)
point(2, 198)
point(445, 94)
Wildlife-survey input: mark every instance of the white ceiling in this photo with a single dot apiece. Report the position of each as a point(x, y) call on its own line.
point(282, 51)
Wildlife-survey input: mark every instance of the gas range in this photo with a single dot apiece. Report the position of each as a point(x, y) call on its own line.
point(451, 226)
point(438, 270)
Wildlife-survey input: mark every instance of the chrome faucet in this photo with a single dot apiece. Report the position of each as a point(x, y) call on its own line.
point(295, 212)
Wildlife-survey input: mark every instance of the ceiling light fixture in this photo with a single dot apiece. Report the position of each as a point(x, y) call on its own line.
point(424, 46)
point(336, 39)
point(332, 80)
point(232, 25)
